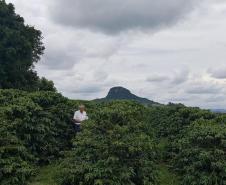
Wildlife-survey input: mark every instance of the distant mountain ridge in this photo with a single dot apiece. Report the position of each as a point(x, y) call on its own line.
point(121, 93)
point(219, 110)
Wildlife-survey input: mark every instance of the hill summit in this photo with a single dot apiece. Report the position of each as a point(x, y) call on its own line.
point(121, 93)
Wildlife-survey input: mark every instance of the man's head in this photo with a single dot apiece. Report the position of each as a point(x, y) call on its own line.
point(81, 108)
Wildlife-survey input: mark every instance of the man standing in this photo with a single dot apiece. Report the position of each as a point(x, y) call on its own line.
point(79, 117)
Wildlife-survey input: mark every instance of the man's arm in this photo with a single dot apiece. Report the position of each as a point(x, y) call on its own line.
point(86, 117)
point(76, 120)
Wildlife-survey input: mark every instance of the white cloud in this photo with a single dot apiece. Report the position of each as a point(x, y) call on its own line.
point(180, 77)
point(204, 88)
point(218, 73)
point(157, 78)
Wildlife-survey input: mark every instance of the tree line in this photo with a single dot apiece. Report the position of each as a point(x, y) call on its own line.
point(20, 49)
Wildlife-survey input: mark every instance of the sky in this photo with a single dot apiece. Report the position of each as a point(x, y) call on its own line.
point(167, 51)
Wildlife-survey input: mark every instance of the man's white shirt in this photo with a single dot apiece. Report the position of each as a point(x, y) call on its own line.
point(80, 116)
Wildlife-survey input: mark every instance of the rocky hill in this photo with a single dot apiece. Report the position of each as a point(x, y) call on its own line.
point(121, 93)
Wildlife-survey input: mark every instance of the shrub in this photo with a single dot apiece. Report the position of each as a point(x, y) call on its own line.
point(114, 148)
point(34, 128)
point(15, 160)
point(41, 120)
point(169, 121)
point(200, 155)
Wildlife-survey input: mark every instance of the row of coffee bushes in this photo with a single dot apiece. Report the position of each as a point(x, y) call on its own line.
point(16, 162)
point(168, 121)
point(34, 129)
point(115, 147)
point(199, 155)
point(196, 146)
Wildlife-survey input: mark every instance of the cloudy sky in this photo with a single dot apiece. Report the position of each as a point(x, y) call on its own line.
point(167, 51)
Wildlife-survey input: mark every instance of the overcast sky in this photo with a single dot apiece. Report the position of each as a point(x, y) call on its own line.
point(167, 51)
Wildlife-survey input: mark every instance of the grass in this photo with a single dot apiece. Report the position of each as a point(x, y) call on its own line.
point(45, 176)
point(166, 177)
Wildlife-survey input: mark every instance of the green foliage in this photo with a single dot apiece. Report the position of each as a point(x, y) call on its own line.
point(115, 147)
point(195, 143)
point(171, 120)
point(34, 127)
point(41, 120)
point(46, 85)
point(15, 160)
point(45, 175)
point(118, 145)
point(200, 154)
point(20, 48)
point(167, 176)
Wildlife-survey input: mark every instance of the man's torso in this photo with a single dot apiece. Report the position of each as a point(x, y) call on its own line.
point(82, 116)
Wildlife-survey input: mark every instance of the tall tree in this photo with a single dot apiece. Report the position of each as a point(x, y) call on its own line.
point(20, 48)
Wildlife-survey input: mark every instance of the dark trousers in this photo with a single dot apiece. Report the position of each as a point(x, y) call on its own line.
point(77, 128)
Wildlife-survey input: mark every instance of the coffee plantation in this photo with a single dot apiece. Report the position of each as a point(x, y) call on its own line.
point(122, 143)
point(115, 147)
point(119, 144)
